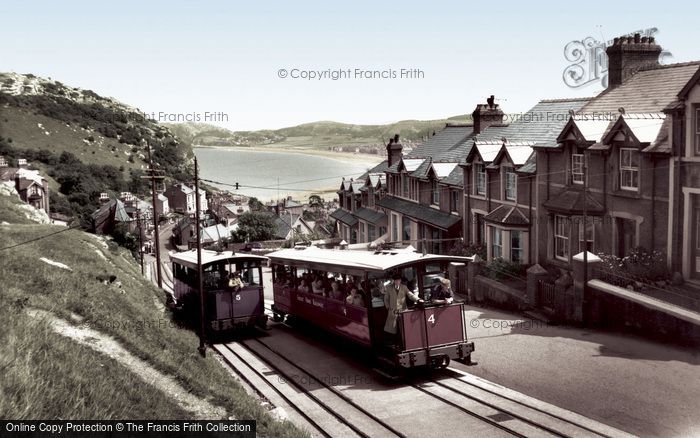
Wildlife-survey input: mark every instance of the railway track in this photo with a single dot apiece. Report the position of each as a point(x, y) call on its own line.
point(325, 411)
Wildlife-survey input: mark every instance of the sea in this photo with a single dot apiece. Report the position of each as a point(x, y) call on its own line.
point(269, 175)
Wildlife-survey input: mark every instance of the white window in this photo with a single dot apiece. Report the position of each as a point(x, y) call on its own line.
point(577, 168)
point(516, 247)
point(697, 129)
point(496, 243)
point(480, 175)
point(561, 237)
point(585, 240)
point(511, 184)
point(629, 169)
point(436, 193)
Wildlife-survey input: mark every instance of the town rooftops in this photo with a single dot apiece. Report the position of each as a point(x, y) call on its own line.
point(421, 213)
point(650, 90)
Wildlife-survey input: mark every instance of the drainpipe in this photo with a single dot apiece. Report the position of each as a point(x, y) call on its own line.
point(529, 234)
point(653, 201)
point(468, 212)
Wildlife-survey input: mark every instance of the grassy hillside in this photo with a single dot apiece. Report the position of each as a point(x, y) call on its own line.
point(47, 375)
point(84, 143)
point(320, 135)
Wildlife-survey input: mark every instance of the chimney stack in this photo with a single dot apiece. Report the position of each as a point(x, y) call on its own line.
point(394, 150)
point(627, 55)
point(22, 163)
point(486, 115)
point(3, 162)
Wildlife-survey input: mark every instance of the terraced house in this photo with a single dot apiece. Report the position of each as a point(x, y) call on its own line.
point(359, 217)
point(629, 160)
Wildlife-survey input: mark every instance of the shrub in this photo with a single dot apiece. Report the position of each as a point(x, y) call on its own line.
point(460, 249)
point(500, 269)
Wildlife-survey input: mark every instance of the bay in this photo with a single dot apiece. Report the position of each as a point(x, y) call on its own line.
point(270, 175)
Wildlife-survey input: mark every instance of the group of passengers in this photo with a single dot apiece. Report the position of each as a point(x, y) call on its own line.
point(335, 288)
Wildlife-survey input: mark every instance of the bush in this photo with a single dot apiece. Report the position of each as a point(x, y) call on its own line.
point(500, 269)
point(639, 264)
point(460, 249)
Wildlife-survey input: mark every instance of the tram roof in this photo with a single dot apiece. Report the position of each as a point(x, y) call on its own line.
point(361, 260)
point(189, 258)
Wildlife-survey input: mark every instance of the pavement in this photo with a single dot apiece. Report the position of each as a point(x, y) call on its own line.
point(643, 387)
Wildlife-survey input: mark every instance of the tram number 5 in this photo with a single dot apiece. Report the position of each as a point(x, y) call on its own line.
point(238, 297)
point(431, 319)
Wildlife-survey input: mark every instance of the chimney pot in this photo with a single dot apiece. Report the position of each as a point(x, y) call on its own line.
point(637, 38)
point(616, 41)
point(396, 138)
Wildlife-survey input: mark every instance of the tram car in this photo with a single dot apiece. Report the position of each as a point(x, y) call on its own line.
point(233, 288)
point(428, 334)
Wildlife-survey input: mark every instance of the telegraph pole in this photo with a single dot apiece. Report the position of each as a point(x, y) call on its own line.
point(585, 230)
point(200, 286)
point(138, 222)
point(156, 239)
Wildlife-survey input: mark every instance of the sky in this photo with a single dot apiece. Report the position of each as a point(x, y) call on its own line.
point(222, 61)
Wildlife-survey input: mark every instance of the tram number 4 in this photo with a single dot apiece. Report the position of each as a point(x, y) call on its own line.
point(431, 319)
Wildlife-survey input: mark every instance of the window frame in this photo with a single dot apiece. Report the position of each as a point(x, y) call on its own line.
point(495, 231)
point(563, 238)
point(435, 192)
point(629, 169)
point(508, 174)
point(520, 249)
point(581, 172)
point(479, 179)
point(454, 201)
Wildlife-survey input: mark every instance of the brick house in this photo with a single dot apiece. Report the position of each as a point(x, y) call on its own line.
point(500, 202)
point(634, 142)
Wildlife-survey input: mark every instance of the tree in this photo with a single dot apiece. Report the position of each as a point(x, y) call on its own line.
point(255, 226)
point(255, 204)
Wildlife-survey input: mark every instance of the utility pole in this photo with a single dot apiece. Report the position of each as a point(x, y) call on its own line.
point(200, 286)
point(138, 222)
point(585, 228)
point(156, 239)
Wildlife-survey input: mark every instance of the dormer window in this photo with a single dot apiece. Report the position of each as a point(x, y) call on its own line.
point(480, 176)
point(435, 192)
point(629, 169)
point(577, 168)
point(404, 178)
point(511, 184)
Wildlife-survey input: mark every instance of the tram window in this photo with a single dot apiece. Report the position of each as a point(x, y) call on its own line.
point(430, 281)
point(376, 284)
point(433, 267)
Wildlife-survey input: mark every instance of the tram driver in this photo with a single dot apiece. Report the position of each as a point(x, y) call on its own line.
point(395, 296)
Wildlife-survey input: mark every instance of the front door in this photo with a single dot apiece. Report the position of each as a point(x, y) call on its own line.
point(626, 236)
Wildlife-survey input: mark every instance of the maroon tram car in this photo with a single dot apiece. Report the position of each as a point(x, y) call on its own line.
point(428, 334)
point(227, 306)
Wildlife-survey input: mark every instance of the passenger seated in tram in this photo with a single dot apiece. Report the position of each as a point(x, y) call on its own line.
point(317, 285)
point(355, 298)
point(234, 281)
point(442, 292)
point(304, 286)
point(336, 293)
point(395, 296)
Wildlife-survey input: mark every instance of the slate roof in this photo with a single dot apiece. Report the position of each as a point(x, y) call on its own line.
point(113, 206)
point(507, 215)
point(344, 216)
point(455, 178)
point(421, 213)
point(650, 90)
point(530, 165)
point(442, 141)
point(571, 202)
point(542, 124)
point(372, 216)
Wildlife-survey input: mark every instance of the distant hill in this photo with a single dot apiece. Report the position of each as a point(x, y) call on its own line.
point(84, 142)
point(317, 135)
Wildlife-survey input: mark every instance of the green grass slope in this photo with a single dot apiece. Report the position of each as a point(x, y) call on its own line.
point(44, 375)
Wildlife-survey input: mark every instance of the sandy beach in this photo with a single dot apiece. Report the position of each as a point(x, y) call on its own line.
point(369, 160)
